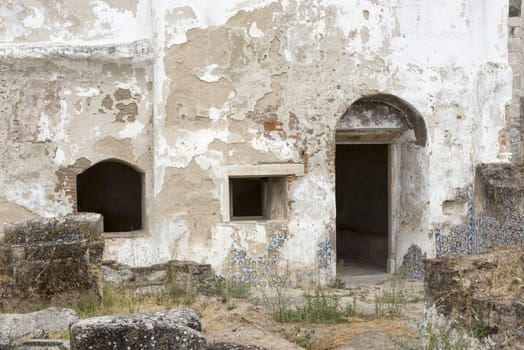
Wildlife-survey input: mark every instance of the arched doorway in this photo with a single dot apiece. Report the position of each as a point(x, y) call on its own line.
point(113, 189)
point(367, 163)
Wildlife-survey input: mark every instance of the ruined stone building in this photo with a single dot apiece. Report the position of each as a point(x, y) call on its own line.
point(263, 137)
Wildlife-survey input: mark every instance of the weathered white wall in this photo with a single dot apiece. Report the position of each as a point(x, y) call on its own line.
point(76, 83)
point(256, 82)
point(75, 21)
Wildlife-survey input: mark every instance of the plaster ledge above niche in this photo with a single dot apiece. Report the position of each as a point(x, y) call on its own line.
point(136, 51)
point(273, 169)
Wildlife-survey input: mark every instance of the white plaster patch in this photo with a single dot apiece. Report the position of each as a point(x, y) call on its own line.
point(44, 130)
point(215, 113)
point(33, 196)
point(131, 130)
point(135, 252)
point(221, 242)
point(36, 20)
point(59, 157)
point(210, 160)
point(279, 148)
point(207, 75)
point(254, 31)
point(14, 28)
point(121, 23)
point(205, 13)
point(87, 92)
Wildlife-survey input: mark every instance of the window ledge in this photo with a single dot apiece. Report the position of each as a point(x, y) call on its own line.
point(251, 222)
point(264, 170)
point(130, 234)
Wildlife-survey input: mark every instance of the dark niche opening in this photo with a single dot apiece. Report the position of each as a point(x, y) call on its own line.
point(114, 190)
point(247, 195)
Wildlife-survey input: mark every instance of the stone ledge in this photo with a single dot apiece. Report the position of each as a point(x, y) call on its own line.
point(137, 51)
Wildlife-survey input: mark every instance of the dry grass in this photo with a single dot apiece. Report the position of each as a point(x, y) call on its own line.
point(329, 336)
point(499, 275)
point(508, 276)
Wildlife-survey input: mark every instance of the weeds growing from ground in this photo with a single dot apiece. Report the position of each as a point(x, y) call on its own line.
point(125, 301)
point(231, 288)
point(389, 301)
point(114, 301)
point(177, 291)
point(320, 307)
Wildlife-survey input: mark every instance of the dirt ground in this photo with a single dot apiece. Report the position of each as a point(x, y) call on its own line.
point(249, 322)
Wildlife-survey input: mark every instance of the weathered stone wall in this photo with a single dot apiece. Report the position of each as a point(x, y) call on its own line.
point(192, 93)
point(62, 115)
point(187, 275)
point(482, 293)
point(515, 116)
point(494, 213)
point(50, 260)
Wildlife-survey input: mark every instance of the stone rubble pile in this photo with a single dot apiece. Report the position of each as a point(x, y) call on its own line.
point(47, 260)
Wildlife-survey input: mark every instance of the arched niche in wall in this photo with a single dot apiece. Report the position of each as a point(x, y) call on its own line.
point(380, 118)
point(112, 188)
point(378, 143)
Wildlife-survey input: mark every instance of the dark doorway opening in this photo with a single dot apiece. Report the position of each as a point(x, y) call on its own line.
point(362, 191)
point(114, 190)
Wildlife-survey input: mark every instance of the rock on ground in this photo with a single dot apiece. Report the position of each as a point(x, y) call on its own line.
point(232, 346)
point(4, 343)
point(44, 344)
point(174, 329)
point(35, 324)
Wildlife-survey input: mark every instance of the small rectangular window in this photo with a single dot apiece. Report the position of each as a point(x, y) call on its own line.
point(247, 197)
point(253, 198)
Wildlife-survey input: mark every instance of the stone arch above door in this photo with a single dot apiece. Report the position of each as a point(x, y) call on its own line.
point(380, 118)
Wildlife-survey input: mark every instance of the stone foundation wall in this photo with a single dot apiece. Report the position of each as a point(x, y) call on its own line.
point(482, 293)
point(187, 275)
point(516, 61)
point(494, 213)
point(50, 259)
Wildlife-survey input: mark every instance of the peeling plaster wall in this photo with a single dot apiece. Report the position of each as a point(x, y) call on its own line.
point(75, 89)
point(75, 21)
point(216, 84)
point(55, 115)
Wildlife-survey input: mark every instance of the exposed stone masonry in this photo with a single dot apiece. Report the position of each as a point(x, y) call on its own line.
point(482, 293)
point(515, 117)
point(49, 259)
point(187, 275)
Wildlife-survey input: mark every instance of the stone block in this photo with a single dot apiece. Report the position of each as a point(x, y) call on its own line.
point(514, 58)
point(49, 277)
point(514, 21)
point(44, 344)
point(174, 329)
point(515, 8)
point(68, 228)
point(48, 259)
point(516, 32)
point(52, 250)
point(5, 344)
point(233, 346)
point(189, 275)
point(514, 44)
point(39, 323)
